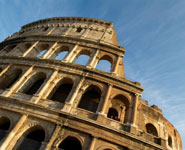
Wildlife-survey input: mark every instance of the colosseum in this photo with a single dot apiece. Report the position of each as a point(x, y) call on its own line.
point(50, 101)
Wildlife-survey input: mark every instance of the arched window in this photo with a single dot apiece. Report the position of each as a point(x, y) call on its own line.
point(90, 99)
point(105, 63)
point(70, 143)
point(10, 48)
point(113, 114)
point(9, 78)
point(4, 126)
point(151, 129)
point(41, 53)
point(33, 84)
point(62, 91)
point(60, 53)
point(83, 57)
point(119, 108)
point(40, 50)
point(31, 140)
point(170, 141)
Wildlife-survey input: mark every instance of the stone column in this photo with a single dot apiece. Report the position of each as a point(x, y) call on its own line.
point(46, 86)
point(70, 56)
point(53, 137)
point(93, 143)
point(4, 70)
point(20, 81)
point(12, 134)
point(94, 60)
point(134, 115)
point(30, 49)
point(122, 116)
point(51, 31)
point(106, 101)
point(49, 51)
point(115, 67)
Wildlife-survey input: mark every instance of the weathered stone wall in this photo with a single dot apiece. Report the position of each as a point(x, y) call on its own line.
point(101, 110)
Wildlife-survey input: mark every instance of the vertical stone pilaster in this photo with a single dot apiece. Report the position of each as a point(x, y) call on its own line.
point(4, 70)
point(134, 114)
point(51, 31)
point(12, 133)
point(116, 65)
point(70, 56)
point(106, 101)
point(30, 49)
point(49, 51)
point(93, 143)
point(53, 137)
point(21, 80)
point(46, 87)
point(94, 60)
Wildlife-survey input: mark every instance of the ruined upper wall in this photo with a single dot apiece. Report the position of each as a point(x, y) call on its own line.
point(88, 28)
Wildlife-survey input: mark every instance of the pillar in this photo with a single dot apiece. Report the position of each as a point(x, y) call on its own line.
point(4, 70)
point(49, 51)
point(12, 134)
point(53, 137)
point(94, 60)
point(46, 86)
point(70, 56)
point(21, 80)
point(30, 49)
point(115, 68)
point(134, 115)
point(106, 101)
point(93, 143)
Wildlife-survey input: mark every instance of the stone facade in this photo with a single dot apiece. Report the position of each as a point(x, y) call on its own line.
point(51, 103)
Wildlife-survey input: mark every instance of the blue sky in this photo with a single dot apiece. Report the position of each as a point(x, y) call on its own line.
point(152, 31)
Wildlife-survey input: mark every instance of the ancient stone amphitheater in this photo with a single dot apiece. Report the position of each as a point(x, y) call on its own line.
point(56, 93)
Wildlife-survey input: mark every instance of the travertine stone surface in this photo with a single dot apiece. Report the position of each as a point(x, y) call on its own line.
point(46, 94)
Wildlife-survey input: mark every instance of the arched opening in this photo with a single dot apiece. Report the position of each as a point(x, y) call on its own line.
point(61, 55)
point(113, 114)
point(9, 78)
point(151, 129)
point(42, 49)
point(31, 140)
point(70, 143)
point(170, 141)
point(90, 99)
point(10, 48)
point(34, 84)
point(4, 126)
point(105, 64)
point(41, 53)
point(83, 57)
point(61, 93)
point(119, 108)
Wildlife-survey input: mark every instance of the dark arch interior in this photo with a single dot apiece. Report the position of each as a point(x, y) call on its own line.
point(113, 114)
point(170, 141)
point(32, 141)
point(70, 143)
point(4, 126)
point(151, 129)
point(90, 100)
point(62, 92)
point(10, 78)
point(34, 88)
